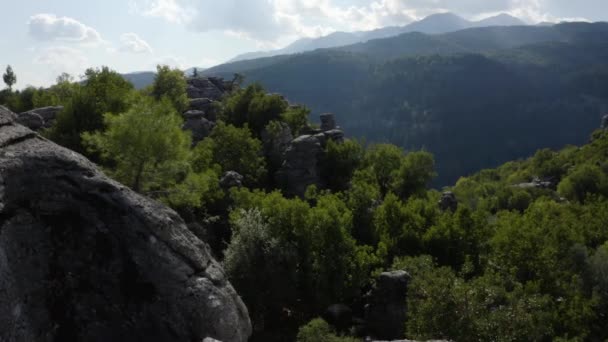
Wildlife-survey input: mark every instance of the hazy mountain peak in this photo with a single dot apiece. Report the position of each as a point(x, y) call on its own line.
point(502, 19)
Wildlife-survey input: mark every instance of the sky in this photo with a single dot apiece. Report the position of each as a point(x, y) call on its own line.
point(41, 39)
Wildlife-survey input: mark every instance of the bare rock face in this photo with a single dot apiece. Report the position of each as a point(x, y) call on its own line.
point(605, 122)
point(83, 258)
point(448, 201)
point(39, 118)
point(386, 311)
point(328, 122)
point(300, 168)
point(207, 87)
point(196, 122)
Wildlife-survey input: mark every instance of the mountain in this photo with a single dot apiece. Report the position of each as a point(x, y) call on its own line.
point(500, 20)
point(433, 24)
point(475, 98)
point(140, 79)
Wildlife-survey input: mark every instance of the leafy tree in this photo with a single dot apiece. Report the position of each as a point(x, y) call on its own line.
point(318, 330)
point(103, 91)
point(9, 77)
point(341, 161)
point(195, 72)
point(235, 149)
point(414, 175)
point(171, 83)
point(384, 160)
point(145, 144)
point(297, 118)
point(584, 181)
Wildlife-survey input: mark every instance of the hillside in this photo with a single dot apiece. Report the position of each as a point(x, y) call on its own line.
point(433, 24)
point(475, 98)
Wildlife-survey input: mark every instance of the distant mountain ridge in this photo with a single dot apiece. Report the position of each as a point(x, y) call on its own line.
point(433, 24)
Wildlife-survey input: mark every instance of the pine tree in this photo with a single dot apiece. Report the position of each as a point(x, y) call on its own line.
point(9, 77)
point(195, 73)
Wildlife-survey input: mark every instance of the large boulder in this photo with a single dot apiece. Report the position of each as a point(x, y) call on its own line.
point(40, 117)
point(203, 87)
point(201, 104)
point(275, 143)
point(198, 125)
point(300, 168)
point(605, 122)
point(448, 201)
point(328, 122)
point(386, 311)
point(84, 258)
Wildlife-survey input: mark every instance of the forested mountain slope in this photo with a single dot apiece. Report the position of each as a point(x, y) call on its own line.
point(475, 98)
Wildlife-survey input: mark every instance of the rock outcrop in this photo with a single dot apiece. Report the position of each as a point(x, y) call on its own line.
point(212, 88)
point(328, 122)
point(231, 179)
point(448, 201)
point(276, 143)
point(197, 122)
point(301, 166)
point(605, 122)
point(303, 159)
point(83, 258)
point(39, 118)
point(386, 311)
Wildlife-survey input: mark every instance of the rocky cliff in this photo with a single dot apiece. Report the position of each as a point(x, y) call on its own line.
point(83, 258)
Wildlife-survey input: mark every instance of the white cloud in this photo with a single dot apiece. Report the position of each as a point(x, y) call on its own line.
point(131, 42)
point(63, 59)
point(270, 21)
point(49, 27)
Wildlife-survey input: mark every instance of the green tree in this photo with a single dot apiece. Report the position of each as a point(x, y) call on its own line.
point(384, 160)
point(583, 181)
point(103, 91)
point(171, 83)
point(318, 330)
point(9, 77)
point(415, 173)
point(297, 118)
point(146, 145)
point(340, 162)
point(234, 149)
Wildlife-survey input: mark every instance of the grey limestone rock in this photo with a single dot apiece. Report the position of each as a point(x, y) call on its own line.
point(84, 258)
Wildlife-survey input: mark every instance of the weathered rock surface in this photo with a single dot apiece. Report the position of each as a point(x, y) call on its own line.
point(198, 125)
point(40, 117)
point(231, 179)
point(386, 311)
point(276, 143)
point(538, 183)
point(605, 122)
point(300, 168)
point(201, 104)
point(303, 158)
point(212, 88)
point(328, 122)
point(83, 258)
point(448, 201)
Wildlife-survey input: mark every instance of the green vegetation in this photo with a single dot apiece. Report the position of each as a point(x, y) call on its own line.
point(9, 77)
point(524, 256)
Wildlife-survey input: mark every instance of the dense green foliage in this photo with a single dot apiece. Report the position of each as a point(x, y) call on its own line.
point(170, 84)
point(102, 91)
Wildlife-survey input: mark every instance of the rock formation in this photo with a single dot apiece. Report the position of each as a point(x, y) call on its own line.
point(303, 158)
point(231, 179)
point(386, 311)
point(448, 201)
point(39, 118)
point(83, 258)
point(203, 93)
point(276, 143)
point(328, 122)
point(196, 121)
point(605, 122)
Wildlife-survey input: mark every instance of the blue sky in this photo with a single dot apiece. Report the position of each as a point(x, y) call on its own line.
point(42, 38)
